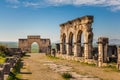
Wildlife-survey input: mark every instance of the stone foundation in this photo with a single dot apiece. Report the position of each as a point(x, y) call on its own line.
point(80, 59)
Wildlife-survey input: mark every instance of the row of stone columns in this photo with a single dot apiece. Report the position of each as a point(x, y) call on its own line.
point(103, 52)
point(87, 50)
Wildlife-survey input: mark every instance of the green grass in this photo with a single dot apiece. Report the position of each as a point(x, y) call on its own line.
point(15, 73)
point(2, 59)
point(34, 48)
point(83, 63)
point(110, 67)
point(52, 57)
point(66, 76)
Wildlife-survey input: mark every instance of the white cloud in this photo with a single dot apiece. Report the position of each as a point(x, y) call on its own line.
point(13, 1)
point(31, 4)
point(112, 4)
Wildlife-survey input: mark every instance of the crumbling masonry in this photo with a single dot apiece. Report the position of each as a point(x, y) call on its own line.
point(44, 44)
point(70, 37)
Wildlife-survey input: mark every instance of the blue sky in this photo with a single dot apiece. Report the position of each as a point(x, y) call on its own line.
point(19, 18)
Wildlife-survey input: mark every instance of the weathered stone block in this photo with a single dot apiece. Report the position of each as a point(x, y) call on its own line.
point(1, 74)
point(6, 68)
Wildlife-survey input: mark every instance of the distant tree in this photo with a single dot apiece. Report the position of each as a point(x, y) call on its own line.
point(3, 51)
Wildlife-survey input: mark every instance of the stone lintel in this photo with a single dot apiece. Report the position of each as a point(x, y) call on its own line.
point(103, 40)
point(22, 39)
point(61, 43)
point(81, 20)
point(33, 36)
point(86, 43)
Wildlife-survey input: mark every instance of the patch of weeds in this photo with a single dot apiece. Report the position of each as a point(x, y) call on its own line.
point(14, 74)
point(23, 67)
point(2, 59)
point(92, 64)
point(52, 57)
point(66, 76)
point(110, 67)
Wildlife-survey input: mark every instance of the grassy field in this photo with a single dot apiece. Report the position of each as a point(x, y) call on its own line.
point(34, 48)
point(9, 44)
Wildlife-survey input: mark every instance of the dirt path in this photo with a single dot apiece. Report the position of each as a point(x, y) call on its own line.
point(39, 67)
point(34, 69)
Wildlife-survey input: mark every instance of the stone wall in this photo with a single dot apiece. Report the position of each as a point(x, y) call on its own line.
point(6, 67)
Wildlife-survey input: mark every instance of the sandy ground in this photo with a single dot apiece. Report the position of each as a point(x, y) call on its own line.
point(34, 69)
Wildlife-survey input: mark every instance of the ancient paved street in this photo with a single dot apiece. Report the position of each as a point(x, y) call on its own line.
point(39, 67)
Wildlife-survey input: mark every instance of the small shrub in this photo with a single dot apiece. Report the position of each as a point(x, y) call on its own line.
point(66, 75)
point(84, 63)
point(12, 76)
point(52, 57)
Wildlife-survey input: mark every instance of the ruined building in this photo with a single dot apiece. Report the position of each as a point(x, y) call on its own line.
point(44, 44)
point(70, 37)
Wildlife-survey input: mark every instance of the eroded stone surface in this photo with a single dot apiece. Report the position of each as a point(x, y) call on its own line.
point(63, 69)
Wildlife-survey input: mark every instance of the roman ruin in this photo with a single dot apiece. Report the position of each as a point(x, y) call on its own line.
point(102, 50)
point(70, 37)
point(71, 46)
point(44, 44)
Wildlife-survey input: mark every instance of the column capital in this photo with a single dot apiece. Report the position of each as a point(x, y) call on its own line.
point(61, 43)
point(85, 43)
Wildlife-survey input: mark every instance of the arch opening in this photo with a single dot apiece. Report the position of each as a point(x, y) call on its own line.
point(64, 44)
point(71, 44)
point(80, 44)
point(90, 47)
point(34, 47)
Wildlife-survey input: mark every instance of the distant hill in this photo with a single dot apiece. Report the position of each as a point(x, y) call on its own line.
point(10, 44)
point(15, 44)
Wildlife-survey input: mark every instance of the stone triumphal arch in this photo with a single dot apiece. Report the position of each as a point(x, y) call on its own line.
point(70, 37)
point(44, 44)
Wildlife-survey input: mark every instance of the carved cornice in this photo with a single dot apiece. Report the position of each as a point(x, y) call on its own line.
point(83, 20)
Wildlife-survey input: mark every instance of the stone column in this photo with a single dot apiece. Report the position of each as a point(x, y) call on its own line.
point(67, 48)
point(61, 48)
point(100, 54)
point(86, 54)
point(75, 50)
point(90, 47)
point(102, 50)
point(118, 61)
